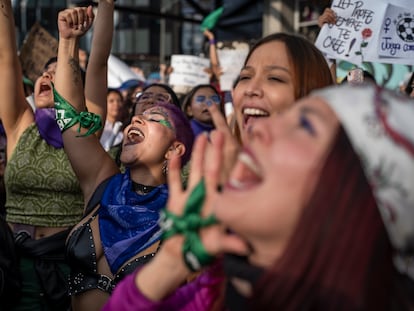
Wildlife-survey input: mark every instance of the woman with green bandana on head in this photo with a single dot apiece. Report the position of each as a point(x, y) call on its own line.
point(120, 229)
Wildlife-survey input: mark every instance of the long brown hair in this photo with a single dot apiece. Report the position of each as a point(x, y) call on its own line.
point(339, 257)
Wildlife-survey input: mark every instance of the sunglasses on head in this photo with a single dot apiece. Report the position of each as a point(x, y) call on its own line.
point(209, 100)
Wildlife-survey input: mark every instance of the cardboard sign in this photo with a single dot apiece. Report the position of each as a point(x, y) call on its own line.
point(37, 48)
point(189, 70)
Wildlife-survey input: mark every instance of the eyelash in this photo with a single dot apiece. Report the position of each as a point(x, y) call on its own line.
point(307, 125)
point(276, 79)
point(153, 120)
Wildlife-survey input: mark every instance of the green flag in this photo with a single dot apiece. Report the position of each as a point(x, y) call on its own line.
point(211, 19)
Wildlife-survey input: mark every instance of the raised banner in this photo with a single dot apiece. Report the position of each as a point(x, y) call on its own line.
point(359, 32)
point(37, 48)
point(397, 33)
point(189, 70)
point(231, 62)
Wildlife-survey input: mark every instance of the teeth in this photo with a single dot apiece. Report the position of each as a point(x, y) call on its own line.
point(255, 112)
point(135, 135)
point(247, 160)
point(135, 132)
point(235, 184)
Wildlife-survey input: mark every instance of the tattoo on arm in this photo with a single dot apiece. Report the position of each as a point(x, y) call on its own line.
point(74, 64)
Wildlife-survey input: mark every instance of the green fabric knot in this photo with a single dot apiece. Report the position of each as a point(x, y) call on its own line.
point(89, 121)
point(189, 224)
point(67, 116)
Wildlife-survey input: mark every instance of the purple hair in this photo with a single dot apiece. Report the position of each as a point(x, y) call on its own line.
point(183, 131)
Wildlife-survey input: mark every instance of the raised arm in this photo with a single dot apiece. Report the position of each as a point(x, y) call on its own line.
point(215, 65)
point(89, 160)
point(97, 70)
point(15, 113)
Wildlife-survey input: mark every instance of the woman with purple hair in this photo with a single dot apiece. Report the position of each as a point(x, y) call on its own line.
point(120, 228)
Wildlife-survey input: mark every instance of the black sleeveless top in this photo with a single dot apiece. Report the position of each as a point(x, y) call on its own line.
point(81, 255)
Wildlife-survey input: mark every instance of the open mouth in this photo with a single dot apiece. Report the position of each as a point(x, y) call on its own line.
point(253, 113)
point(44, 89)
point(246, 173)
point(135, 136)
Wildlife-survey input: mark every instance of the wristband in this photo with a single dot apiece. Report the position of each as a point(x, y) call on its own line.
point(212, 41)
point(67, 116)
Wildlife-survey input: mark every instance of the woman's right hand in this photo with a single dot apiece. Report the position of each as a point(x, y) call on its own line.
point(75, 22)
point(206, 162)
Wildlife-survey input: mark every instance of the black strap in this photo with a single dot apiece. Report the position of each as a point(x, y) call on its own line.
point(96, 197)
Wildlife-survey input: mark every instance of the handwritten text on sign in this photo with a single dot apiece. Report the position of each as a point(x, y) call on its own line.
point(397, 33)
point(189, 70)
point(351, 32)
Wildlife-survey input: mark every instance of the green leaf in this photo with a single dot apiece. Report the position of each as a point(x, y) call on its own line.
point(364, 44)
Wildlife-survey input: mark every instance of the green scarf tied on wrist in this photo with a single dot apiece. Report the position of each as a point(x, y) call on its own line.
point(189, 224)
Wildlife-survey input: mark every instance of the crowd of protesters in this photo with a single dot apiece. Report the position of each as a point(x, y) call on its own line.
point(140, 198)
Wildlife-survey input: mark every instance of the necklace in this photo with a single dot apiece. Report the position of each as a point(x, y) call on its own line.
point(142, 189)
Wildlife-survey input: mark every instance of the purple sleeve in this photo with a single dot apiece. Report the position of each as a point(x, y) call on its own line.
point(198, 295)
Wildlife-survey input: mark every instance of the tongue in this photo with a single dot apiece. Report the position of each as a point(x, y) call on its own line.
point(135, 138)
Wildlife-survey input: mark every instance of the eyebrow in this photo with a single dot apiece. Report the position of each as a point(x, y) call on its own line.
point(268, 68)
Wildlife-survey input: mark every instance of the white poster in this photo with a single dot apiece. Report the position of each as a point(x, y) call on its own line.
point(397, 33)
point(355, 26)
point(189, 70)
point(231, 62)
point(355, 37)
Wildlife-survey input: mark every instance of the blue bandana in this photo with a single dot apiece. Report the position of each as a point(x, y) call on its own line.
point(128, 222)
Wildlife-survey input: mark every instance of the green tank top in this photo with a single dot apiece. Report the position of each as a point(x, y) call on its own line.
point(41, 187)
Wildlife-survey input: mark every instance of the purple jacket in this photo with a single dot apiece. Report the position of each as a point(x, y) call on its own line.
point(198, 295)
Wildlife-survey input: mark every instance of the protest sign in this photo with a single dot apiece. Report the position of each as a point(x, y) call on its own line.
point(37, 48)
point(352, 31)
point(189, 70)
point(231, 61)
point(355, 37)
point(397, 33)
